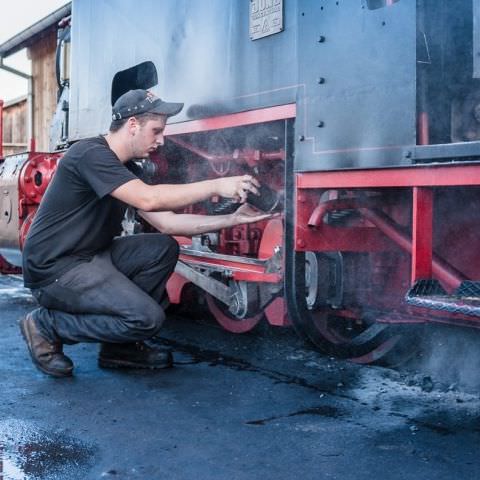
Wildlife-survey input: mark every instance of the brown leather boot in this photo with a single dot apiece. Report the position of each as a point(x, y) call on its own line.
point(133, 355)
point(47, 356)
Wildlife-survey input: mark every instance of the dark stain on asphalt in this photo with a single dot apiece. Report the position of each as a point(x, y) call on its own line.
point(213, 358)
point(444, 422)
point(193, 355)
point(323, 411)
point(449, 423)
point(31, 454)
point(435, 427)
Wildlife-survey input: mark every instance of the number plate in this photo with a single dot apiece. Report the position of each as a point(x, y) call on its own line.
point(266, 18)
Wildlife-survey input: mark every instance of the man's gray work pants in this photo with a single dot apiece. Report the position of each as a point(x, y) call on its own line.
point(114, 297)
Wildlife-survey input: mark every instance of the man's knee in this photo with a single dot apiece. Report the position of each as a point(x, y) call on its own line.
point(146, 323)
point(169, 247)
point(153, 323)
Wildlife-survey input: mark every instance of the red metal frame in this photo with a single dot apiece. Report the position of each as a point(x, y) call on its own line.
point(241, 119)
point(422, 233)
point(447, 274)
point(240, 271)
point(328, 238)
point(354, 239)
point(419, 178)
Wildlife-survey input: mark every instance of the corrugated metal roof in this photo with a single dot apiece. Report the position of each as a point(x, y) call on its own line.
point(31, 34)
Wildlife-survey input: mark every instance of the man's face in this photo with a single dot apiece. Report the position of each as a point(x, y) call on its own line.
point(148, 137)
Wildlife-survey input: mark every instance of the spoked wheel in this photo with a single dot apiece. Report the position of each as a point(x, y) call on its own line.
point(318, 317)
point(227, 320)
point(357, 340)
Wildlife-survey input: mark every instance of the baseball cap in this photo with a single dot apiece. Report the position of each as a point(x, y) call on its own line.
point(136, 102)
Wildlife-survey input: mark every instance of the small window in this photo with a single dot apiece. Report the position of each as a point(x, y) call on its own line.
point(374, 4)
point(144, 75)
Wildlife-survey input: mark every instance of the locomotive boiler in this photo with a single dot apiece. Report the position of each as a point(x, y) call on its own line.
point(361, 118)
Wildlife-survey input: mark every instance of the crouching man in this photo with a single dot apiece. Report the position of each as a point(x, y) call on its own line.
point(93, 286)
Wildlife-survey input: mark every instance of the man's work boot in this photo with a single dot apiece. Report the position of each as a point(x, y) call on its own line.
point(133, 355)
point(46, 355)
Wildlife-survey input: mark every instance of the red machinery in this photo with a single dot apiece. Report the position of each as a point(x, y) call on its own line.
point(23, 179)
point(357, 257)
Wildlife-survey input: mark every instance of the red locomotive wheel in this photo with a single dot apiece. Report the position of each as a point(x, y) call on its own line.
point(351, 333)
point(228, 321)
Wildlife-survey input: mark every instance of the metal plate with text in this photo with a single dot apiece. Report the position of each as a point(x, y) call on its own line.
point(266, 18)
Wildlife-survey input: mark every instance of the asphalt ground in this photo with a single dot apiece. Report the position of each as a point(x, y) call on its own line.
point(257, 406)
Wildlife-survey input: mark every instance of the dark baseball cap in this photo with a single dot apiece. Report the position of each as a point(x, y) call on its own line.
point(136, 102)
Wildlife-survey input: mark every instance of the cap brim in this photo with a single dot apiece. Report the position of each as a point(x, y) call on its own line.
point(167, 108)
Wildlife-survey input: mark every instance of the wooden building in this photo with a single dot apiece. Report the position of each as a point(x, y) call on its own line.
point(39, 106)
point(42, 55)
point(15, 126)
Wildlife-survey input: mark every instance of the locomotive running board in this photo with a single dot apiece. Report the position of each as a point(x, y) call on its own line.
point(207, 254)
point(197, 266)
point(430, 294)
point(237, 267)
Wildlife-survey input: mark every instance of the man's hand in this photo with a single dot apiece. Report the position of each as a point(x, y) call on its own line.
point(248, 214)
point(237, 187)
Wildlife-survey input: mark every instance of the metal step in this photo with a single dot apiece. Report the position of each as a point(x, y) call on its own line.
point(430, 294)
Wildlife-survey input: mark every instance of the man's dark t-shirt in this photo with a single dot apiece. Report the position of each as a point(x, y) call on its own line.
point(77, 217)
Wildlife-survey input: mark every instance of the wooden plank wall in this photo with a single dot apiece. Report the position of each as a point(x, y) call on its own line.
point(15, 126)
point(42, 54)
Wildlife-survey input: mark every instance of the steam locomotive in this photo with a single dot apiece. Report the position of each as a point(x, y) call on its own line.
point(360, 117)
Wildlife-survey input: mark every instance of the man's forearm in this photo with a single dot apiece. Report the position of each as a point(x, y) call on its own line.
point(174, 197)
point(186, 224)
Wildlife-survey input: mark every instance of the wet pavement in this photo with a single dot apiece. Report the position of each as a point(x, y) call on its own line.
point(257, 406)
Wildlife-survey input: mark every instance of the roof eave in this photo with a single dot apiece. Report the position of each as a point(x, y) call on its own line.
point(27, 36)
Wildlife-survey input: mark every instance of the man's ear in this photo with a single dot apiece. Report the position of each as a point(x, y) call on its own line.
point(132, 125)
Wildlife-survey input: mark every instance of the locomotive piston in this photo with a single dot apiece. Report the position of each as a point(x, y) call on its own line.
point(267, 200)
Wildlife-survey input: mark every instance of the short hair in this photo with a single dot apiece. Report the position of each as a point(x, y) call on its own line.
point(142, 119)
